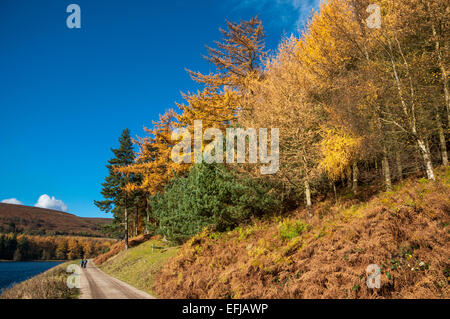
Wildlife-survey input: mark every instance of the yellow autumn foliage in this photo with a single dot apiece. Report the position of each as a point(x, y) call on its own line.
point(339, 150)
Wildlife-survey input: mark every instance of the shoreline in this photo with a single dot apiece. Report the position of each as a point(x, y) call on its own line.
point(28, 261)
point(49, 284)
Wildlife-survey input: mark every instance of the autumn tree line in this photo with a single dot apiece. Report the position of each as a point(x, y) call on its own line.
point(20, 247)
point(355, 105)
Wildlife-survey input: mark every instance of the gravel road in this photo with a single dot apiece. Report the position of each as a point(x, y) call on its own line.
point(95, 284)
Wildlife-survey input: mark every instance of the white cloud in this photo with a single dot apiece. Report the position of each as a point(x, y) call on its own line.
point(46, 201)
point(12, 201)
point(292, 14)
point(304, 9)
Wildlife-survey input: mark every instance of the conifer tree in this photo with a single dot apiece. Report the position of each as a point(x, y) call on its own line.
point(116, 200)
point(237, 56)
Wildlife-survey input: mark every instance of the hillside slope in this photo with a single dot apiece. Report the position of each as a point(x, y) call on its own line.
point(405, 232)
point(138, 265)
point(41, 221)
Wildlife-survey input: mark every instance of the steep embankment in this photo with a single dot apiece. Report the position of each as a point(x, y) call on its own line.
point(405, 232)
point(41, 221)
point(138, 265)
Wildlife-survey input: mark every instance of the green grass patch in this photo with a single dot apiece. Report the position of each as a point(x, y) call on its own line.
point(290, 229)
point(138, 265)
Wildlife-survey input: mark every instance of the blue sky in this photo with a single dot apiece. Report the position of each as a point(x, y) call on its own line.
point(66, 94)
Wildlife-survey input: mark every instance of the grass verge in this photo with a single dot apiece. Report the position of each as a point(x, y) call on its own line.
point(137, 266)
point(51, 284)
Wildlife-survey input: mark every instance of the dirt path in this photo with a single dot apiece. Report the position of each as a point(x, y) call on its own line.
point(95, 284)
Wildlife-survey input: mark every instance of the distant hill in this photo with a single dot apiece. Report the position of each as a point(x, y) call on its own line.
point(41, 221)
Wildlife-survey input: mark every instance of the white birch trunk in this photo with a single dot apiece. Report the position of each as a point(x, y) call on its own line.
point(426, 159)
point(443, 72)
point(410, 115)
point(442, 141)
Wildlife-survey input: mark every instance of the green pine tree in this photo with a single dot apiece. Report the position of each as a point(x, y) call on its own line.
point(116, 201)
point(209, 196)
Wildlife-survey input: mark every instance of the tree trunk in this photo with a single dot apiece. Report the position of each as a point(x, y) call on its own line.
point(411, 114)
point(334, 190)
point(443, 142)
point(426, 159)
point(355, 177)
point(308, 197)
point(349, 180)
point(147, 216)
point(136, 222)
point(443, 70)
point(126, 223)
point(386, 170)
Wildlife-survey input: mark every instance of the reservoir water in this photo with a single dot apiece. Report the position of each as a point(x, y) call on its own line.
point(15, 272)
